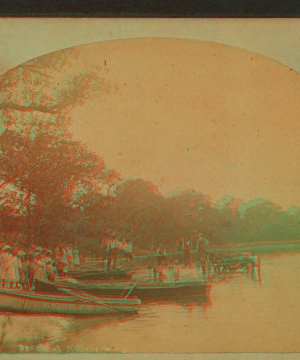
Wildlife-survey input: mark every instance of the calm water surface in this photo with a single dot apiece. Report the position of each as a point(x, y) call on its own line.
point(241, 315)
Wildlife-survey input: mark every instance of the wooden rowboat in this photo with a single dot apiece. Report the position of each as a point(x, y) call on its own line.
point(143, 291)
point(75, 303)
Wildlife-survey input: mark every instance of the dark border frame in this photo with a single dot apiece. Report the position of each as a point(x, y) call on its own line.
point(151, 8)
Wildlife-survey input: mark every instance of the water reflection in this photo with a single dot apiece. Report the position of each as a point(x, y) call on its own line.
point(42, 333)
point(24, 332)
point(237, 314)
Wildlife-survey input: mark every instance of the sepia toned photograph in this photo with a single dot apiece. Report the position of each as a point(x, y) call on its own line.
point(149, 186)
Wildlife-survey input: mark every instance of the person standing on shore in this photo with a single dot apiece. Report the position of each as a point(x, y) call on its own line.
point(176, 271)
point(128, 252)
point(76, 260)
point(103, 250)
point(12, 269)
point(64, 261)
point(24, 276)
point(57, 254)
point(111, 249)
point(70, 256)
point(187, 252)
point(5, 257)
point(171, 269)
point(31, 272)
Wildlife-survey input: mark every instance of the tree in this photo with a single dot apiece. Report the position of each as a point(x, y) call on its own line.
point(38, 155)
point(138, 208)
point(261, 221)
point(45, 89)
point(186, 211)
point(46, 170)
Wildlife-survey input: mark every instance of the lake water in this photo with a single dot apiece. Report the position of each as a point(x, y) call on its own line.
point(241, 315)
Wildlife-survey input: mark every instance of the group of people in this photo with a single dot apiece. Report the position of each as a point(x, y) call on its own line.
point(159, 262)
point(157, 273)
point(114, 248)
point(19, 268)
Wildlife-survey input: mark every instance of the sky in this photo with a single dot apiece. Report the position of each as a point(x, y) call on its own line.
point(218, 119)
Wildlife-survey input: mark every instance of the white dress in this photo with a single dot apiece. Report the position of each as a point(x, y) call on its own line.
point(2, 265)
point(12, 271)
point(64, 258)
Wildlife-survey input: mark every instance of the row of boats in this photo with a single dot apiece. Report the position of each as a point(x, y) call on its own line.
point(94, 291)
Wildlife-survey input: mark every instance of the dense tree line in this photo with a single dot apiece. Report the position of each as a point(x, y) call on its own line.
point(54, 189)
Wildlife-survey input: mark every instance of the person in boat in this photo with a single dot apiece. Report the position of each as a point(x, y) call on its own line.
point(76, 260)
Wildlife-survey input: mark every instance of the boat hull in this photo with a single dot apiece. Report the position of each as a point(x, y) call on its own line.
point(154, 291)
point(24, 302)
point(99, 274)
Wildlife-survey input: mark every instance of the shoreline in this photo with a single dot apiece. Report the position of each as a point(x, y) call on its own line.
point(271, 246)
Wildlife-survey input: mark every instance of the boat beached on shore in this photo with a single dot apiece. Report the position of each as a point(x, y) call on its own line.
point(67, 302)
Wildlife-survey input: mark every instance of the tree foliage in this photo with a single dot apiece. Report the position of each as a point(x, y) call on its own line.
point(54, 189)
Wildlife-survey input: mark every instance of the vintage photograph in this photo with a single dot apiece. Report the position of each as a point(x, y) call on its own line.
point(149, 186)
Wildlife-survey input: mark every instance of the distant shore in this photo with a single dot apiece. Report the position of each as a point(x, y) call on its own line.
point(262, 246)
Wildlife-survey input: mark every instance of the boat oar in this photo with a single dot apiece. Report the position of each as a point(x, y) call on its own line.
point(133, 286)
point(85, 296)
point(133, 283)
